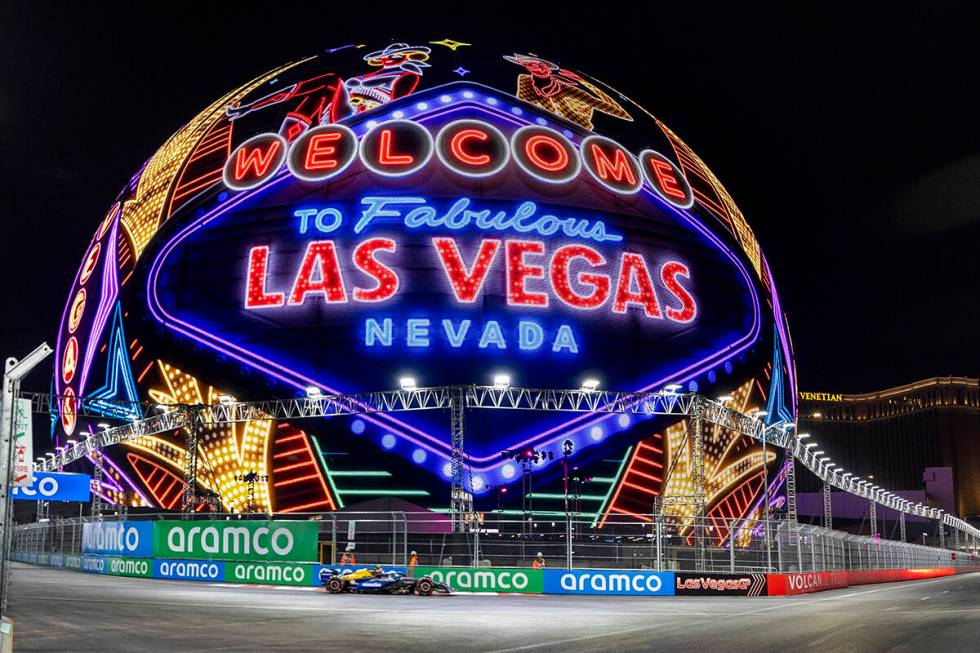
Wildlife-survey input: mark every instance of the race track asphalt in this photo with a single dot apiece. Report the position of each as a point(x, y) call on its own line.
point(57, 610)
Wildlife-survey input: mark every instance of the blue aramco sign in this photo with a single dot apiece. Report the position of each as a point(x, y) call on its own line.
point(609, 582)
point(127, 538)
point(50, 486)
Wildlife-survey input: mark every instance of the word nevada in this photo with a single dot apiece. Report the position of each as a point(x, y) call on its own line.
point(468, 148)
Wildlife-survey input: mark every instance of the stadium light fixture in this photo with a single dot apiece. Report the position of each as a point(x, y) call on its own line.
point(103, 425)
point(501, 381)
point(408, 383)
point(724, 399)
point(673, 388)
point(810, 445)
point(590, 385)
point(225, 399)
point(802, 436)
point(818, 453)
point(313, 392)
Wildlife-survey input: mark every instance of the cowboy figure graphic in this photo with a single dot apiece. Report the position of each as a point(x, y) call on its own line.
point(563, 92)
point(400, 69)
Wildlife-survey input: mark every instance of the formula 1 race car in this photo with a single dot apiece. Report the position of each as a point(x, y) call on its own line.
point(378, 581)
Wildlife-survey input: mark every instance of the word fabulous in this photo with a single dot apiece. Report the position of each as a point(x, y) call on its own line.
point(470, 148)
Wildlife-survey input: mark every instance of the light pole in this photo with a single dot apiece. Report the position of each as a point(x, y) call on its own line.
point(14, 371)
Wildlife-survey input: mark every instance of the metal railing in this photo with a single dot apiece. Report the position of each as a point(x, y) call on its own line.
point(655, 542)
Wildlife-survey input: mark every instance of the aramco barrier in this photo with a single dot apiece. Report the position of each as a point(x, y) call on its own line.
point(659, 557)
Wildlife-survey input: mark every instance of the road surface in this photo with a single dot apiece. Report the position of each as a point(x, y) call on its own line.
point(57, 610)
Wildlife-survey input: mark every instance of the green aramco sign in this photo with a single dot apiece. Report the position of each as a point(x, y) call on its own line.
point(272, 541)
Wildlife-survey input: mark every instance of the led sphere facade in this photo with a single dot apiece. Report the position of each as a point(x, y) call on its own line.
point(435, 210)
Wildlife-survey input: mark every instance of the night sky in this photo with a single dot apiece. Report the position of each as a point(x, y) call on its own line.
point(850, 142)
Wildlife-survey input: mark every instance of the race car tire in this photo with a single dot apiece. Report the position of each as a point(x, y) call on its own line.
point(335, 586)
point(424, 587)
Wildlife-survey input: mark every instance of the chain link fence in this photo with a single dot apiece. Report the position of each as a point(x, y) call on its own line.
point(655, 542)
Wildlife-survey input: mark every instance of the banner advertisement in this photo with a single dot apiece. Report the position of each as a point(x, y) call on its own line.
point(51, 486)
point(93, 564)
point(806, 583)
point(527, 581)
point(73, 562)
point(138, 567)
point(609, 582)
point(213, 570)
point(265, 573)
point(694, 584)
point(23, 444)
point(128, 538)
point(286, 541)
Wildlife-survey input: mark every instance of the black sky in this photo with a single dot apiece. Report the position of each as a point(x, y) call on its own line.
point(848, 137)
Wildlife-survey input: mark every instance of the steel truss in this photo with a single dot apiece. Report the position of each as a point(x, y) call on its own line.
point(472, 397)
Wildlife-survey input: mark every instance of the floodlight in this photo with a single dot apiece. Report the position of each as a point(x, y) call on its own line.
point(501, 381)
point(407, 383)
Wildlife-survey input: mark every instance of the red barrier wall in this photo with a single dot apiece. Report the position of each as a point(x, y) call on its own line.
point(818, 581)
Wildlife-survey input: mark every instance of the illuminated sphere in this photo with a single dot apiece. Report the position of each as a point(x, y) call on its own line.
point(438, 209)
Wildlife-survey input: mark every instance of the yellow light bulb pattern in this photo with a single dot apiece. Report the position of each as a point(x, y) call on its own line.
point(225, 451)
point(721, 473)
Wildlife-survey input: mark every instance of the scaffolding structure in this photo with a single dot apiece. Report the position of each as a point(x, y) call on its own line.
point(697, 409)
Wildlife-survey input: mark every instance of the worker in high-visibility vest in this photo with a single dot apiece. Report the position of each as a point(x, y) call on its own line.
point(412, 561)
point(538, 561)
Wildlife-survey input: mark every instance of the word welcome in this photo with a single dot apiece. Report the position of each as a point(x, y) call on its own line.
point(576, 275)
point(469, 148)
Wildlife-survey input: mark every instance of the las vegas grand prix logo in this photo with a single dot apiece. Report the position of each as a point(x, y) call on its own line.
point(576, 275)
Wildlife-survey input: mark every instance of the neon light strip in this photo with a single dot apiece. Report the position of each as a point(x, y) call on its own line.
point(619, 475)
point(327, 472)
point(543, 513)
point(366, 473)
point(404, 493)
point(582, 497)
point(434, 445)
point(107, 298)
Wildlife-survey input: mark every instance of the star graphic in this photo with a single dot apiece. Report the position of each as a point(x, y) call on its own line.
point(462, 72)
point(449, 43)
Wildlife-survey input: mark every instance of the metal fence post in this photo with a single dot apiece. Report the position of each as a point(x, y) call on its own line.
point(333, 539)
point(660, 537)
point(799, 548)
point(731, 545)
point(779, 550)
